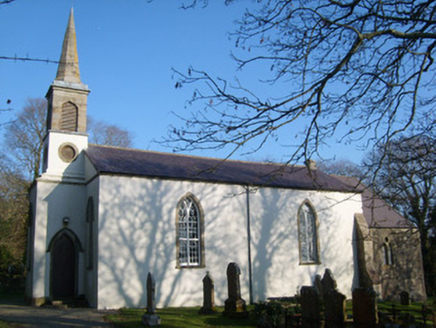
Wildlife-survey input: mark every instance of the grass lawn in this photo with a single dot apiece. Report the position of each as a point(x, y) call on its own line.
point(4, 324)
point(403, 313)
point(178, 318)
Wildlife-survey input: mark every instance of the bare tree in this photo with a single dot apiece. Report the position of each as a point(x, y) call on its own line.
point(355, 70)
point(101, 133)
point(341, 167)
point(24, 136)
point(405, 176)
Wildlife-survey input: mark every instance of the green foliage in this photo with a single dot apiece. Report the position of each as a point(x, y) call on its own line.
point(11, 273)
point(4, 324)
point(270, 314)
point(6, 257)
point(13, 224)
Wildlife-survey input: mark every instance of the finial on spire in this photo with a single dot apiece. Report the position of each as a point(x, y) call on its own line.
point(68, 69)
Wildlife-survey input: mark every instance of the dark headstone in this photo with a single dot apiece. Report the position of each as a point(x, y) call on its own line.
point(317, 283)
point(234, 306)
point(150, 318)
point(310, 306)
point(208, 295)
point(328, 282)
point(334, 309)
point(404, 298)
point(364, 307)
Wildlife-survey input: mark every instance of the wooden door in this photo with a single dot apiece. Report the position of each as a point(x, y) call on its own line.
point(63, 268)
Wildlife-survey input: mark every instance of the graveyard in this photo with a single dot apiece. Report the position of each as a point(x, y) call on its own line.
point(320, 305)
point(189, 317)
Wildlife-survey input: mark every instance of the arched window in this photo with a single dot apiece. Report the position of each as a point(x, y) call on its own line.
point(308, 235)
point(387, 252)
point(189, 229)
point(69, 117)
point(90, 234)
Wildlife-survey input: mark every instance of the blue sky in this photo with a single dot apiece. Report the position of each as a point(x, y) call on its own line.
point(127, 50)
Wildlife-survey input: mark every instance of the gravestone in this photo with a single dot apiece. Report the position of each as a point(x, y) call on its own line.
point(317, 283)
point(334, 309)
point(333, 300)
point(234, 306)
point(364, 307)
point(150, 318)
point(328, 282)
point(404, 298)
point(208, 295)
point(310, 306)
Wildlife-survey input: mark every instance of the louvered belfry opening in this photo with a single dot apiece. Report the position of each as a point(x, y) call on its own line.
point(69, 117)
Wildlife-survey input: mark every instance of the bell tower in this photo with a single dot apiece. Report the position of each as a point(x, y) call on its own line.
point(66, 115)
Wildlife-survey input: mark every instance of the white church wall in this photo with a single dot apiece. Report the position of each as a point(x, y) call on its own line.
point(54, 202)
point(137, 235)
point(57, 168)
point(276, 264)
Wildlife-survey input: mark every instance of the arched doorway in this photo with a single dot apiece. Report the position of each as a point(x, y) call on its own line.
point(63, 275)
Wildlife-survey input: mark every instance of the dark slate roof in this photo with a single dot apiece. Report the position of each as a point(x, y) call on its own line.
point(377, 212)
point(129, 162)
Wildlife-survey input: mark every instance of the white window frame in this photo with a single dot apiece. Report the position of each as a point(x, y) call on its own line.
point(189, 230)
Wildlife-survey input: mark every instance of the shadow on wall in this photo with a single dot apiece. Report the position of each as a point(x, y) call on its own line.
point(276, 259)
point(133, 241)
point(137, 235)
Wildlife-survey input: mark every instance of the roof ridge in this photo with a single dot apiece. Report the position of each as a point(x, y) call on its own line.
point(199, 157)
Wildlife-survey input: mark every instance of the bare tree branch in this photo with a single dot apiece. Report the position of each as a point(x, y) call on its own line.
point(352, 70)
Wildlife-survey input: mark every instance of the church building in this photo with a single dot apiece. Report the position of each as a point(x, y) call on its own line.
point(102, 218)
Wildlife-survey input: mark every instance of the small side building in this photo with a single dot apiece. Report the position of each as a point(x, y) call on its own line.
point(389, 248)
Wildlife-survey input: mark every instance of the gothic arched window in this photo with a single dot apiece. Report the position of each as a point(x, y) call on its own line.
point(189, 230)
point(308, 234)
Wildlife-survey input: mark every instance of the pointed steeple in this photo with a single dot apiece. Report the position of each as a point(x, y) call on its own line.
point(68, 69)
point(67, 100)
point(67, 96)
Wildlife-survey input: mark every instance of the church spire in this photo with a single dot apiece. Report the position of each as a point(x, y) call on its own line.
point(68, 69)
point(67, 96)
point(66, 115)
